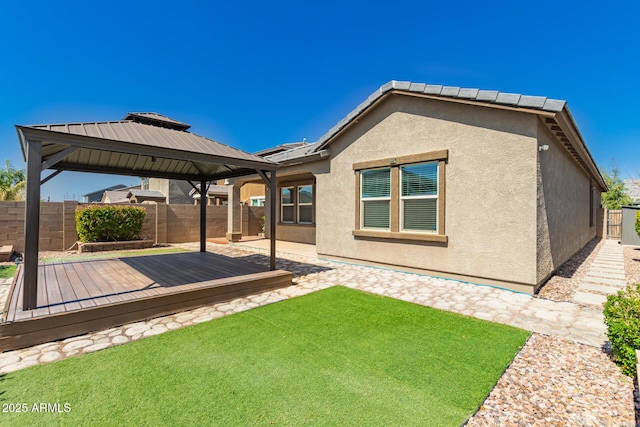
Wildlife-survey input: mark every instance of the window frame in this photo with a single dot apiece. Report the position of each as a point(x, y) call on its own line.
point(298, 204)
point(295, 186)
point(292, 204)
point(396, 210)
point(402, 227)
point(374, 199)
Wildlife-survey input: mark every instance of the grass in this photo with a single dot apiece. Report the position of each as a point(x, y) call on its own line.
point(7, 271)
point(335, 357)
point(117, 254)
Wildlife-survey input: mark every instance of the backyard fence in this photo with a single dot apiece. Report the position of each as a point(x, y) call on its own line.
point(163, 223)
point(614, 224)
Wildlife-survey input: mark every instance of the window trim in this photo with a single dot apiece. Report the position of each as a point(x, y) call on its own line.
point(394, 163)
point(375, 199)
point(295, 185)
point(402, 198)
point(298, 204)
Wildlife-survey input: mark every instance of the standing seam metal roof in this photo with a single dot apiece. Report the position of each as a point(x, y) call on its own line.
point(148, 150)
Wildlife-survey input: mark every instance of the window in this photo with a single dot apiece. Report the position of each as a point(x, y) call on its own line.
point(257, 200)
point(402, 197)
point(296, 204)
point(286, 194)
point(375, 194)
point(305, 204)
point(419, 197)
point(144, 185)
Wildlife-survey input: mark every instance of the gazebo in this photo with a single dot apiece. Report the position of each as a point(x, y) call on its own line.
point(143, 145)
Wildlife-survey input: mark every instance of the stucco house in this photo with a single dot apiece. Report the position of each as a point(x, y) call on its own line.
point(490, 187)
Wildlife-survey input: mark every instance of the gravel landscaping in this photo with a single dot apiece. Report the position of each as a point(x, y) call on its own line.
point(563, 284)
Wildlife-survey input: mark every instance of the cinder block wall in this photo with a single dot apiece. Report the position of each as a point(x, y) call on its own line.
point(163, 223)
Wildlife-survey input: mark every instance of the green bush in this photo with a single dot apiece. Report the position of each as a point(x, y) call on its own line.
point(99, 223)
point(622, 316)
point(638, 222)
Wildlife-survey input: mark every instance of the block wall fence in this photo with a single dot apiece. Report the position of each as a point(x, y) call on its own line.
point(163, 223)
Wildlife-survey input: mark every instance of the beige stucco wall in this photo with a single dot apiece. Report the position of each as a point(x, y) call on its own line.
point(490, 188)
point(564, 225)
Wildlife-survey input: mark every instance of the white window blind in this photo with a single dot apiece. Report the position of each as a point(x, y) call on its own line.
point(419, 197)
point(375, 196)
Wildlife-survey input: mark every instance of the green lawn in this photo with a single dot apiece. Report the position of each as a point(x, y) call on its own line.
point(117, 254)
point(7, 271)
point(335, 357)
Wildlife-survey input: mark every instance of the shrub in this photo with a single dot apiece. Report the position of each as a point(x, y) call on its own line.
point(96, 223)
point(638, 222)
point(622, 316)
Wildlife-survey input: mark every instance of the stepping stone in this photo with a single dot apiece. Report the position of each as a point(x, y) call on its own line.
point(608, 264)
point(607, 290)
point(588, 298)
point(606, 274)
point(605, 281)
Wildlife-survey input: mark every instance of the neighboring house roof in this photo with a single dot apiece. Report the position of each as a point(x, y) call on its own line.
point(156, 119)
point(280, 148)
point(115, 197)
point(214, 190)
point(147, 194)
point(556, 117)
point(633, 189)
point(113, 187)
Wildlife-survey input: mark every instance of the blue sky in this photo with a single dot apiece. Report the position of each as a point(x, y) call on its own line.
point(254, 74)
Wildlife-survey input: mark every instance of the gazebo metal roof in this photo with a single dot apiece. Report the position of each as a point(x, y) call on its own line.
point(145, 145)
point(130, 148)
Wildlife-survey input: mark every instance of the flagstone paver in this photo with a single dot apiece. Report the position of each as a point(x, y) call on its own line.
point(605, 277)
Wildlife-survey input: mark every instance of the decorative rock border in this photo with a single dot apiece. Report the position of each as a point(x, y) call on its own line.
point(115, 246)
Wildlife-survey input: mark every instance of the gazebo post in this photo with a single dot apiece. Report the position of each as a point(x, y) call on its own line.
point(203, 216)
point(272, 220)
point(32, 224)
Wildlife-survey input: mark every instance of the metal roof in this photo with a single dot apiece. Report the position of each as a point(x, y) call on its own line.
point(136, 149)
point(156, 119)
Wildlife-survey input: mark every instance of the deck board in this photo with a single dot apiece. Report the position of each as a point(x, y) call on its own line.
point(76, 297)
point(55, 300)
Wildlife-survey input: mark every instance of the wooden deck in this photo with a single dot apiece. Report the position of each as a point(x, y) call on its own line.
point(76, 297)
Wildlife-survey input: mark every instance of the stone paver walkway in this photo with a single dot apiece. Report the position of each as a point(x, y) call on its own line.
point(567, 320)
point(605, 276)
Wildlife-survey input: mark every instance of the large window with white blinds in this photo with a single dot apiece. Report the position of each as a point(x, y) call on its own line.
point(375, 196)
point(402, 197)
point(419, 197)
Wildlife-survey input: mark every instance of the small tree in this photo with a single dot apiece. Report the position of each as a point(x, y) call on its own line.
point(12, 183)
point(616, 197)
